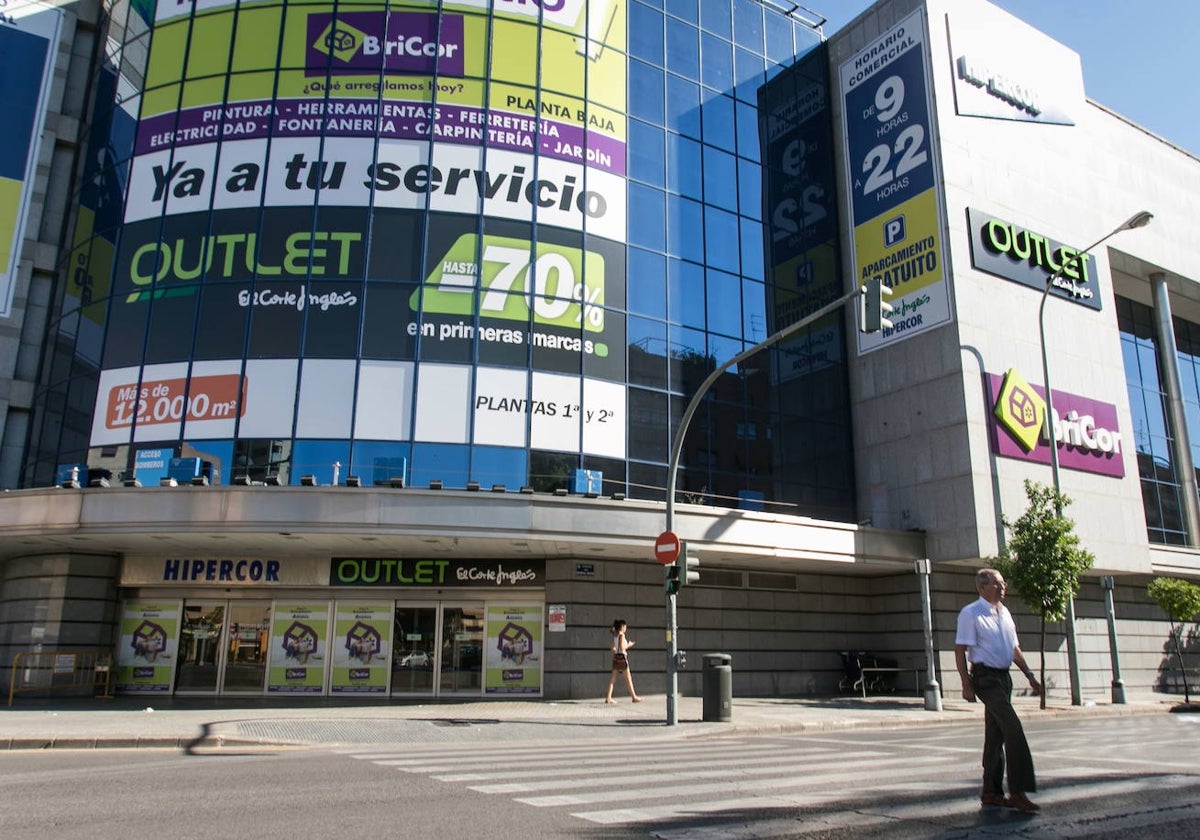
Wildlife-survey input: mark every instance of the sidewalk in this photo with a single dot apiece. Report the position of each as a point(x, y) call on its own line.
point(189, 723)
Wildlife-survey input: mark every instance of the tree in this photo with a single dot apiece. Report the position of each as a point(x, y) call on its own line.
point(1180, 600)
point(1043, 559)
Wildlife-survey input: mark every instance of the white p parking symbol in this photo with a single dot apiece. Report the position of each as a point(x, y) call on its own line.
point(893, 231)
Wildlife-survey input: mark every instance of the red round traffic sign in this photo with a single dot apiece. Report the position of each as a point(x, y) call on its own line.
point(666, 548)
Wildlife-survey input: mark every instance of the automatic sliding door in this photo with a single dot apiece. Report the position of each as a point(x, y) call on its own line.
point(200, 647)
point(462, 649)
point(414, 649)
point(246, 655)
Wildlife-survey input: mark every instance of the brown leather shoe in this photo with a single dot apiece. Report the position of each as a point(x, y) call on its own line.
point(993, 800)
point(1021, 802)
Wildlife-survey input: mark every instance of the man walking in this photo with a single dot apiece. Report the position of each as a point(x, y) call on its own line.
point(987, 640)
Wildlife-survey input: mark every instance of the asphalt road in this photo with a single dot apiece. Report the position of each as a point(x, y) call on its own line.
point(1132, 777)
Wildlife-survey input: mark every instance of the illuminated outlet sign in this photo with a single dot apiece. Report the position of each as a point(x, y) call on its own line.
point(1086, 431)
point(1031, 259)
point(440, 573)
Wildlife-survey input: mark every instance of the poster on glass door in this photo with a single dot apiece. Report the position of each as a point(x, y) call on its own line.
point(513, 649)
point(361, 647)
point(299, 636)
point(149, 647)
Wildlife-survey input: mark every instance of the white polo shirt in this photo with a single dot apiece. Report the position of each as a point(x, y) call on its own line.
point(989, 633)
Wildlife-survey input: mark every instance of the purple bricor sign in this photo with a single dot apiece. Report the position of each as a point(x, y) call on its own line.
point(1087, 433)
point(374, 42)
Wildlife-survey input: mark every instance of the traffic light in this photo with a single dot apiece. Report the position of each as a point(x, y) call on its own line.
point(691, 567)
point(671, 584)
point(875, 308)
point(685, 570)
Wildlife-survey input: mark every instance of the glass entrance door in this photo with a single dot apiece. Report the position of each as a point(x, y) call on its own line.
point(223, 647)
point(414, 649)
point(200, 647)
point(246, 654)
point(462, 649)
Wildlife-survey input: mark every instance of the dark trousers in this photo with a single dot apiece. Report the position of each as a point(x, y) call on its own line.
point(1003, 735)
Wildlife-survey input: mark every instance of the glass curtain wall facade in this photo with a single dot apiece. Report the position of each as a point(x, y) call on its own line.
point(460, 241)
point(1148, 404)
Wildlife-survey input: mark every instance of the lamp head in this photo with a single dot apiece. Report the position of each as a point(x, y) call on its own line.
point(1137, 220)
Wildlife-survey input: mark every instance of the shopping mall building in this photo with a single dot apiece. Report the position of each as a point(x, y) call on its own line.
point(342, 346)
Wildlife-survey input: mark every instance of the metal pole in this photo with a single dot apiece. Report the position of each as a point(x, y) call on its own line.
point(1072, 653)
point(673, 473)
point(1118, 684)
point(933, 691)
point(672, 664)
point(1140, 219)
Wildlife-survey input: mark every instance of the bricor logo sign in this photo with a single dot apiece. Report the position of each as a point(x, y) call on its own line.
point(1085, 431)
point(1020, 410)
point(395, 42)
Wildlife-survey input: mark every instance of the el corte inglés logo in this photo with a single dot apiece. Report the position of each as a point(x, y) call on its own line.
point(1020, 410)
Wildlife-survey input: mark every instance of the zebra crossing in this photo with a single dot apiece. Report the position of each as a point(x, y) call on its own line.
point(793, 786)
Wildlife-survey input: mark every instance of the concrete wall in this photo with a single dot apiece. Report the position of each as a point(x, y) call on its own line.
point(788, 643)
point(60, 601)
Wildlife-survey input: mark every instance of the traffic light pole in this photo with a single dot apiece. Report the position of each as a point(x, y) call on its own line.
point(673, 476)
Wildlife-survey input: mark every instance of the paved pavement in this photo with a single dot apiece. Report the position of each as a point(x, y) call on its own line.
point(182, 723)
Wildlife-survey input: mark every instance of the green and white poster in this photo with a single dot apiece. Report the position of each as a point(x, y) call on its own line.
point(149, 647)
point(299, 637)
point(513, 649)
point(361, 648)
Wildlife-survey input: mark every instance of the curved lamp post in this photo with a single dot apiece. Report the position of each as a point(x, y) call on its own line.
point(1137, 220)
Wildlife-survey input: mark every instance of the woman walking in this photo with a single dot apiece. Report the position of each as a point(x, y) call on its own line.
point(620, 661)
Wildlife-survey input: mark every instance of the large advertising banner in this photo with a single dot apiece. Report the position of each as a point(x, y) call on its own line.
point(299, 642)
point(799, 196)
point(149, 647)
point(399, 124)
point(513, 649)
point(28, 44)
point(893, 182)
point(362, 648)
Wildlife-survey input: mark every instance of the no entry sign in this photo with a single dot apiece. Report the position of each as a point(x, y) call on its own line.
point(666, 548)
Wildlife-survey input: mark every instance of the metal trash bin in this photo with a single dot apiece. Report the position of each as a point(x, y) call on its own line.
point(718, 687)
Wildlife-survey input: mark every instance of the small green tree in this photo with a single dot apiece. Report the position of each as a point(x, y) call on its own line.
point(1180, 600)
point(1042, 560)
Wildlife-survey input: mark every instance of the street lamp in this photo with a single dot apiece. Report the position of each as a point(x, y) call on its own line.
point(1137, 220)
point(673, 477)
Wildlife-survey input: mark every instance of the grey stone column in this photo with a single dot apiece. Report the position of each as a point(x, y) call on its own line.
point(57, 601)
point(1181, 445)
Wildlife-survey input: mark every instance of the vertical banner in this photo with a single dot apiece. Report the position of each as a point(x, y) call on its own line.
point(893, 180)
point(362, 645)
point(513, 650)
point(149, 647)
point(28, 43)
point(299, 635)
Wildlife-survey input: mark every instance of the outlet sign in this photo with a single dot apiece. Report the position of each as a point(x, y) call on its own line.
point(1010, 251)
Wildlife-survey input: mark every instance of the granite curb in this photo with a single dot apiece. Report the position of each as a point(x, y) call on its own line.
point(92, 725)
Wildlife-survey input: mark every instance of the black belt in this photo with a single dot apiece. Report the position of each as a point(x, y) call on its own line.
point(978, 667)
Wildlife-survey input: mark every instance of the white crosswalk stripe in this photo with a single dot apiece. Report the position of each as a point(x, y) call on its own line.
point(741, 788)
